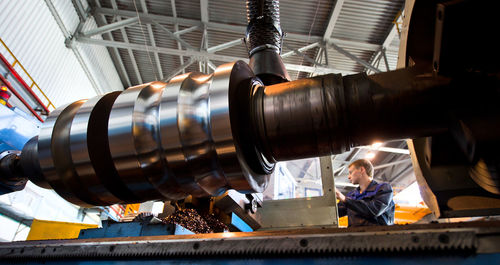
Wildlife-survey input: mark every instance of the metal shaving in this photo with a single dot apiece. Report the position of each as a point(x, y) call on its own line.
point(214, 223)
point(189, 219)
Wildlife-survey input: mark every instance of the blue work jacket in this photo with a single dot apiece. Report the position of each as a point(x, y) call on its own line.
point(372, 207)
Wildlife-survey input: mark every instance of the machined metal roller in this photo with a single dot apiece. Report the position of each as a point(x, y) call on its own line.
point(154, 141)
point(201, 135)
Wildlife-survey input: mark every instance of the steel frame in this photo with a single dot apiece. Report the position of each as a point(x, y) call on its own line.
point(205, 54)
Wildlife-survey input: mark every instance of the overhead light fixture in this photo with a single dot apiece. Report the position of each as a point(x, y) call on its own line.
point(369, 155)
point(376, 145)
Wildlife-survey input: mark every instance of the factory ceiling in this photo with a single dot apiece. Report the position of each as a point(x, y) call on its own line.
point(156, 39)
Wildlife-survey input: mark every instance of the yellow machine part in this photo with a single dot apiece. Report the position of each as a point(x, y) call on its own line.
point(409, 214)
point(403, 215)
point(42, 229)
point(343, 221)
point(132, 208)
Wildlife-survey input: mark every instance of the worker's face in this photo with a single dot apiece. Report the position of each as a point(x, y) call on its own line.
point(355, 174)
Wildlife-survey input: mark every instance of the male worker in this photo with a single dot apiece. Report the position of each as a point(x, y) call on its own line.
point(369, 204)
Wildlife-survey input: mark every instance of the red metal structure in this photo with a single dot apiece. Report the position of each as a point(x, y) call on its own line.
point(14, 91)
point(16, 75)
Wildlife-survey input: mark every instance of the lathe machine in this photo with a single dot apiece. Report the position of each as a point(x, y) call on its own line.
point(201, 135)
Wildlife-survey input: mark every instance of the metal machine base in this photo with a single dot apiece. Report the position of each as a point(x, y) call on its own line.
point(464, 241)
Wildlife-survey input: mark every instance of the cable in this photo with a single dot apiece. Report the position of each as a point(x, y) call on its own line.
point(309, 35)
point(145, 42)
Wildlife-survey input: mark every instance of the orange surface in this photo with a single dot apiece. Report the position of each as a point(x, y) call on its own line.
point(43, 229)
point(131, 208)
point(403, 215)
point(409, 214)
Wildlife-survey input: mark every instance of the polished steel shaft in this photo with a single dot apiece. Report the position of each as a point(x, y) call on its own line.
point(203, 134)
point(153, 141)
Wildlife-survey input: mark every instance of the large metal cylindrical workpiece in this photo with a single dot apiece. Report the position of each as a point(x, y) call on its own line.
point(153, 141)
point(203, 134)
point(329, 114)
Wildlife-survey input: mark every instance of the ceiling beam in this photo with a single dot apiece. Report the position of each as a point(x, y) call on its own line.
point(153, 42)
point(384, 56)
point(171, 51)
point(240, 29)
point(130, 53)
point(315, 69)
point(176, 28)
point(392, 163)
point(303, 55)
point(301, 49)
point(82, 13)
point(225, 45)
point(211, 65)
point(393, 33)
point(110, 27)
point(353, 57)
point(198, 54)
point(337, 172)
point(390, 37)
point(389, 158)
point(173, 36)
point(114, 51)
point(381, 52)
point(204, 10)
point(205, 18)
point(75, 50)
point(179, 69)
point(334, 16)
point(333, 19)
point(405, 161)
point(303, 171)
point(402, 175)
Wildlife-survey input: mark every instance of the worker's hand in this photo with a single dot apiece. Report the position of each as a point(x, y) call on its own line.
point(339, 195)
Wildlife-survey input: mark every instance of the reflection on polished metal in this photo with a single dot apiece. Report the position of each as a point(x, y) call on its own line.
point(55, 156)
point(80, 154)
point(127, 143)
point(154, 141)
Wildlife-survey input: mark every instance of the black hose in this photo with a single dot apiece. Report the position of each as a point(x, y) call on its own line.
point(264, 30)
point(264, 40)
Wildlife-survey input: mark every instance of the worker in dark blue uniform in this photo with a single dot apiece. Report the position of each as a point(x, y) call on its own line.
point(369, 204)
